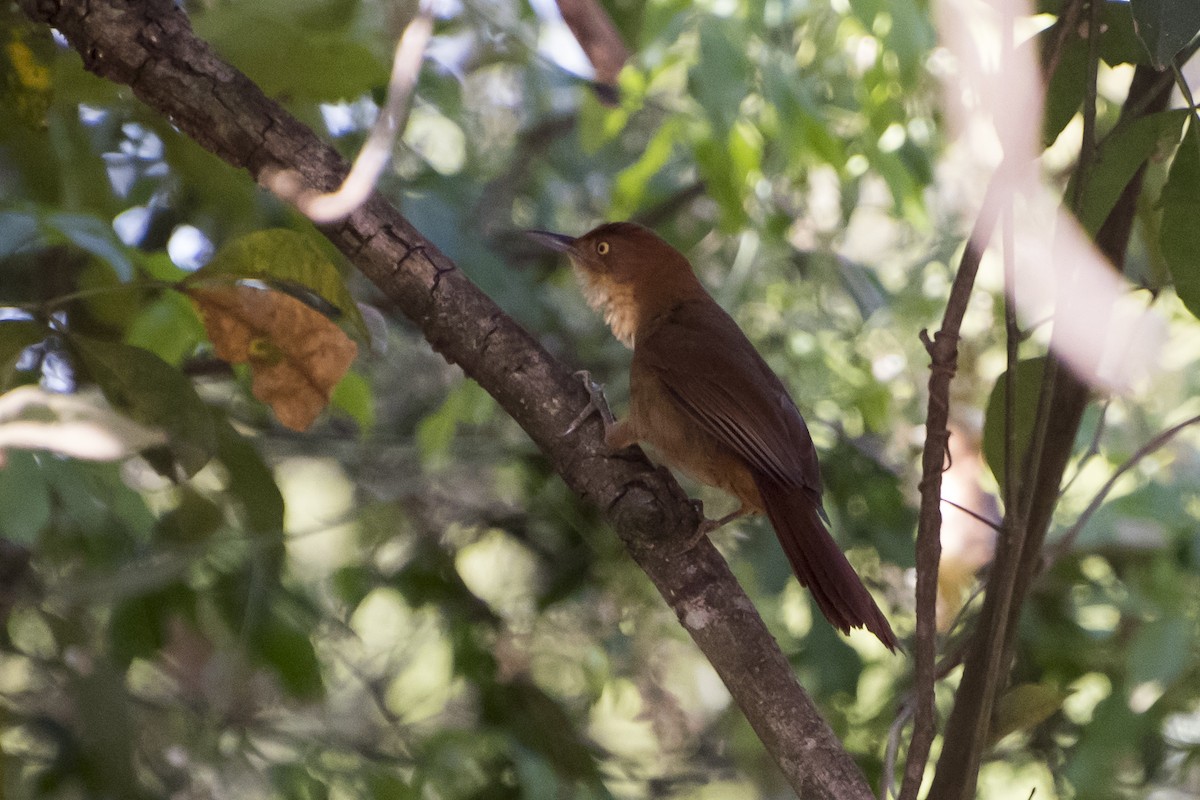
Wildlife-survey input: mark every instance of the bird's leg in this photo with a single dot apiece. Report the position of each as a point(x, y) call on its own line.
point(596, 405)
point(707, 526)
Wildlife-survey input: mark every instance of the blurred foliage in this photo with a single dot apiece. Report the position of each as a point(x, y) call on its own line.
point(405, 601)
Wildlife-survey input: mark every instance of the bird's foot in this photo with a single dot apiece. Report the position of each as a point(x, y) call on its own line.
point(707, 525)
point(596, 404)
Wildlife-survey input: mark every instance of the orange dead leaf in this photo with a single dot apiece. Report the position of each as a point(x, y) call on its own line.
point(598, 36)
point(296, 354)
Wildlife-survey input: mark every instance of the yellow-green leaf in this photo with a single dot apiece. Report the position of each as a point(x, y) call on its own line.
point(283, 257)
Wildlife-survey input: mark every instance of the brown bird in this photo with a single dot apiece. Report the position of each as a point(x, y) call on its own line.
point(704, 398)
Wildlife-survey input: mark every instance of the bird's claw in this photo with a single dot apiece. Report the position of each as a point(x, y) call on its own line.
point(707, 525)
point(596, 404)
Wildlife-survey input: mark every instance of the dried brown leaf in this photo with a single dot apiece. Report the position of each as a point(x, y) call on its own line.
point(296, 354)
point(598, 37)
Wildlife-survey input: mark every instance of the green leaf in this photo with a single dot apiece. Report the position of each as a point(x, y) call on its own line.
point(466, 403)
point(719, 80)
point(799, 119)
point(167, 326)
point(138, 627)
point(18, 229)
point(193, 520)
point(538, 721)
point(1119, 43)
point(1161, 650)
point(153, 393)
point(1165, 27)
point(630, 185)
point(250, 480)
point(1024, 707)
point(353, 396)
point(286, 59)
point(1180, 235)
point(283, 257)
point(1029, 385)
point(384, 784)
point(95, 236)
point(296, 782)
point(102, 705)
point(290, 654)
point(721, 183)
point(24, 498)
point(1064, 94)
point(1119, 157)
point(15, 337)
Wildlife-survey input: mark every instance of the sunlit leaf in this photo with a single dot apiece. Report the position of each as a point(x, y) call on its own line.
point(630, 185)
point(27, 89)
point(1024, 707)
point(287, 257)
point(1180, 235)
point(353, 396)
point(296, 354)
point(152, 392)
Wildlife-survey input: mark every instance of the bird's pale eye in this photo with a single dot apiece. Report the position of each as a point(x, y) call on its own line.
point(602, 248)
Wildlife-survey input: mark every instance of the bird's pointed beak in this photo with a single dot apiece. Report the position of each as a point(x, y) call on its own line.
point(555, 241)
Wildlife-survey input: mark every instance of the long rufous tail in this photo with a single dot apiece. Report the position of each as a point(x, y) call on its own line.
point(819, 564)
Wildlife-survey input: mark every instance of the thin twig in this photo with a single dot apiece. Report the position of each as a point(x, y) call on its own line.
point(377, 151)
point(991, 523)
point(887, 786)
point(1067, 540)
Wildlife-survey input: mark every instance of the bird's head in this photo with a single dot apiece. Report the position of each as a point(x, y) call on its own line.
point(624, 269)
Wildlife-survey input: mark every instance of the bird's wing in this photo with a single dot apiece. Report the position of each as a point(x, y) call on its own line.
point(719, 379)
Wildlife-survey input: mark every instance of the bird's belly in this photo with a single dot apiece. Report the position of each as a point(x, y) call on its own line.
point(683, 444)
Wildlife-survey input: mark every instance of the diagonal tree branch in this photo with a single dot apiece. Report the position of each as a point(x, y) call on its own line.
point(149, 45)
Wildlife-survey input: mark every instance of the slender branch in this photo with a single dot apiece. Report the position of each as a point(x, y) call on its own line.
point(943, 353)
point(323, 207)
point(1067, 540)
point(150, 46)
point(991, 523)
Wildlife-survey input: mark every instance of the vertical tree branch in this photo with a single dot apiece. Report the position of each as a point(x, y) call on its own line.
point(943, 354)
point(990, 654)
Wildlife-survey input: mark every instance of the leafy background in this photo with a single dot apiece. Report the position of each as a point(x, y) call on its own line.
point(404, 601)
